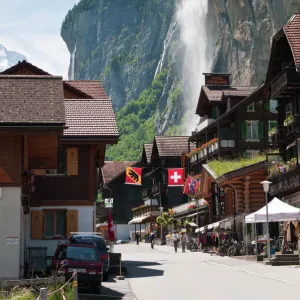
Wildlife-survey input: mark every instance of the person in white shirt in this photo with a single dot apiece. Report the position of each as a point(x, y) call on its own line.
point(175, 239)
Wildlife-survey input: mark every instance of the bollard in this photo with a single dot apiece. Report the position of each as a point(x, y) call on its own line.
point(75, 286)
point(120, 277)
point(43, 294)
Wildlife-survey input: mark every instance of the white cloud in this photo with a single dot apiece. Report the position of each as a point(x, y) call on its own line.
point(34, 31)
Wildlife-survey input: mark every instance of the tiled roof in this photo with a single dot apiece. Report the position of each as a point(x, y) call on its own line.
point(212, 95)
point(171, 145)
point(93, 88)
point(238, 91)
point(24, 65)
point(112, 169)
point(94, 117)
point(292, 32)
point(31, 99)
point(148, 151)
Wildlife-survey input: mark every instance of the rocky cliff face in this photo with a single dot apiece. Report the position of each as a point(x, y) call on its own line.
point(243, 32)
point(9, 58)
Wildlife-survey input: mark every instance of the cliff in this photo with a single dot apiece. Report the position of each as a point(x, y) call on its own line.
point(243, 32)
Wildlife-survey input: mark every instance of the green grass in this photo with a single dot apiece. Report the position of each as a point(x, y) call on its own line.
point(224, 166)
point(22, 293)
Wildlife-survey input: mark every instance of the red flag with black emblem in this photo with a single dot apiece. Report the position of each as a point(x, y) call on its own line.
point(133, 176)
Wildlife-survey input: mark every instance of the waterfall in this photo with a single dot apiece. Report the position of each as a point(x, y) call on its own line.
point(191, 16)
point(167, 41)
point(72, 69)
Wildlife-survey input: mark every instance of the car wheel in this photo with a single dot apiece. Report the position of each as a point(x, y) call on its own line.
point(105, 276)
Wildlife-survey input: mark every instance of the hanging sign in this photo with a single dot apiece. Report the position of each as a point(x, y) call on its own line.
point(215, 198)
point(109, 202)
point(222, 201)
point(217, 79)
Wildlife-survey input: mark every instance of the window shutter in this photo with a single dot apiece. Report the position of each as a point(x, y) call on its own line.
point(267, 105)
point(72, 161)
point(36, 225)
point(72, 221)
point(244, 130)
point(260, 130)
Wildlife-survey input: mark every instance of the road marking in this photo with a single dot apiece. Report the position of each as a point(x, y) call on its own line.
point(252, 273)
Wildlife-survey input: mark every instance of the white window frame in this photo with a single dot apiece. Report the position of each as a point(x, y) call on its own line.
point(251, 107)
point(273, 105)
point(251, 139)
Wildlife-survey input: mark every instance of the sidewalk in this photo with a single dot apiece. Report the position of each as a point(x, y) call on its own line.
point(288, 274)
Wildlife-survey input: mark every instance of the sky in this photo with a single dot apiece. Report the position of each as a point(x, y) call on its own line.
point(32, 28)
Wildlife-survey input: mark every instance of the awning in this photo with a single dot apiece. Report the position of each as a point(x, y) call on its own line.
point(192, 224)
point(138, 220)
point(213, 225)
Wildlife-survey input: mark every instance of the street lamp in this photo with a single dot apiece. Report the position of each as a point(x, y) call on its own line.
point(161, 231)
point(266, 186)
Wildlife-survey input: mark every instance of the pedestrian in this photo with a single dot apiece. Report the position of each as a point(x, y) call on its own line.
point(137, 238)
point(152, 237)
point(183, 241)
point(175, 239)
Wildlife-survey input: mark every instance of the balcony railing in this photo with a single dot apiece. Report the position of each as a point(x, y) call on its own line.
point(145, 210)
point(286, 78)
point(188, 206)
point(204, 124)
point(204, 151)
point(285, 182)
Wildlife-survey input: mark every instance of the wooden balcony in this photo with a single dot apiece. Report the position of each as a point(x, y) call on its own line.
point(284, 183)
point(285, 83)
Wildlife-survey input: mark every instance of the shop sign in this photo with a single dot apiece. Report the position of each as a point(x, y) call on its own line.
point(12, 240)
point(109, 202)
point(217, 80)
point(215, 198)
point(222, 201)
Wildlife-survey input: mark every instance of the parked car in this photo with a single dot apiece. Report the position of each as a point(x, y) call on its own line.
point(84, 259)
point(93, 239)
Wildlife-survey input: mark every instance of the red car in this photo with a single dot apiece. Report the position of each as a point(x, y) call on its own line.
point(83, 259)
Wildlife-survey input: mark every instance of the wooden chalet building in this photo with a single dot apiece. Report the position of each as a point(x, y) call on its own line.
point(165, 152)
point(53, 139)
point(125, 196)
point(234, 123)
point(283, 83)
point(232, 196)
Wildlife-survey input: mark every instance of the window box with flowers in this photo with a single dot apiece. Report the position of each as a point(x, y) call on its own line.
point(273, 132)
point(277, 167)
point(192, 206)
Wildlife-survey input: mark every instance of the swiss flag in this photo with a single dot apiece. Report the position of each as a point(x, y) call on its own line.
point(175, 177)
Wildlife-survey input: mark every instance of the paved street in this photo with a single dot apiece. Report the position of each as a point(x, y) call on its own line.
point(161, 274)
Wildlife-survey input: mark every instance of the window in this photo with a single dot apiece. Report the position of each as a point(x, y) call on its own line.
point(78, 253)
point(272, 124)
point(273, 105)
point(251, 107)
point(252, 131)
point(55, 224)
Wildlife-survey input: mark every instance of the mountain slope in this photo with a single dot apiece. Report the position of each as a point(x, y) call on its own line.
point(9, 58)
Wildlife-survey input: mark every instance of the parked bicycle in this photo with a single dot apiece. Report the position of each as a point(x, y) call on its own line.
point(239, 248)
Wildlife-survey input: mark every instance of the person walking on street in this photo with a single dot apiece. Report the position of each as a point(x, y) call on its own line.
point(183, 241)
point(137, 238)
point(175, 239)
point(152, 237)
